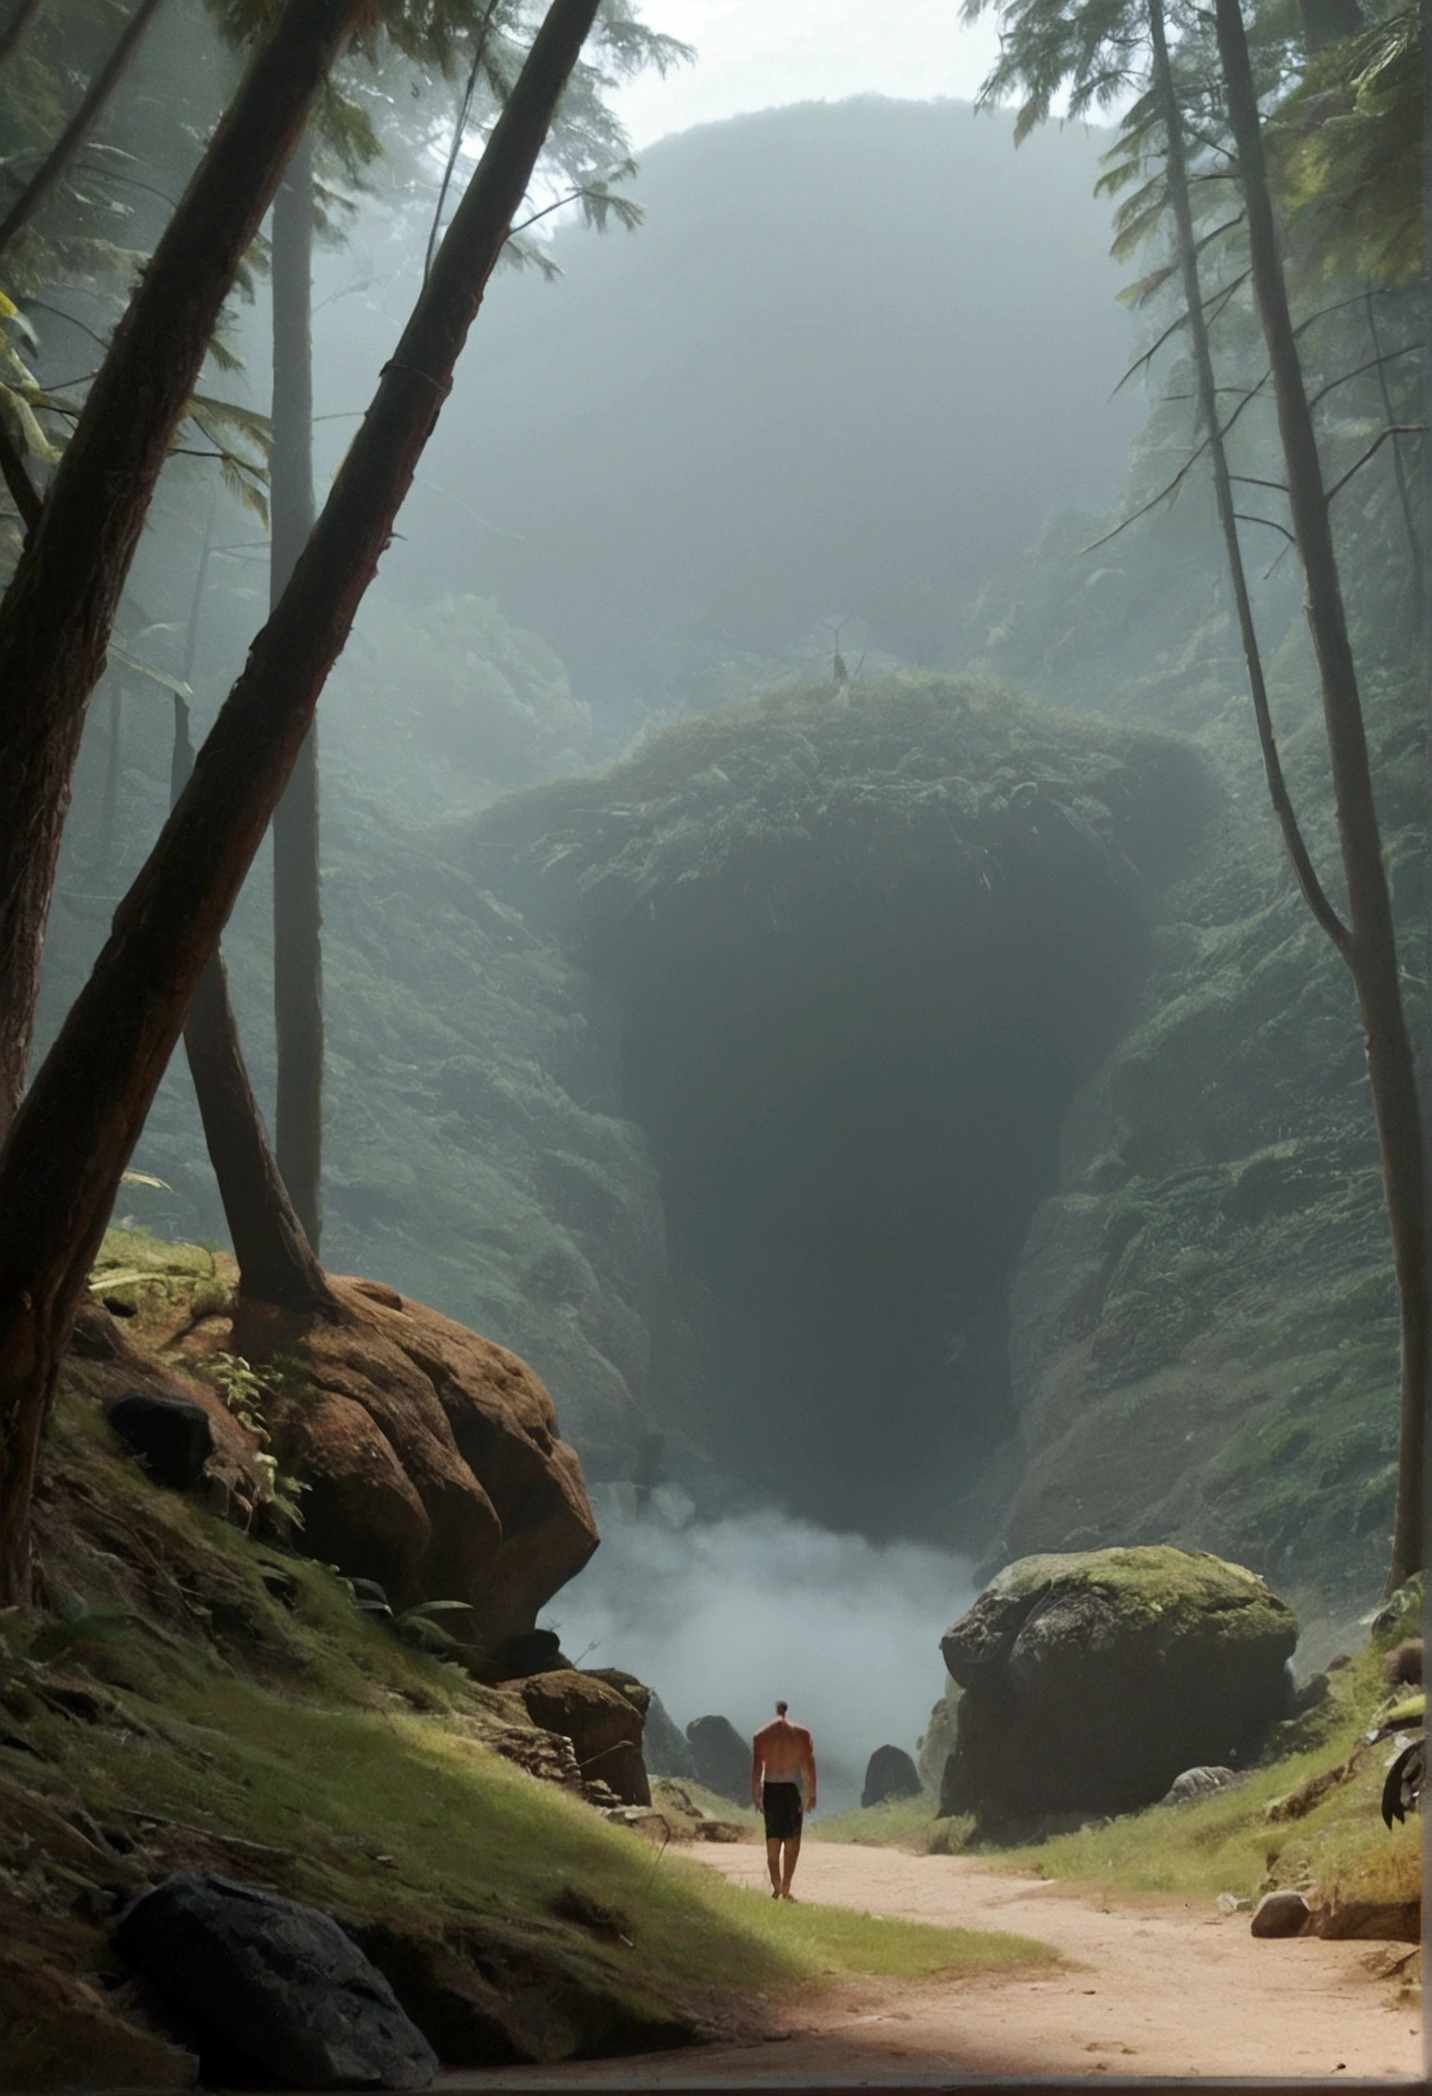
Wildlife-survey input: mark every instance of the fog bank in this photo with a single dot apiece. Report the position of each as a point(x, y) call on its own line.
point(726, 1615)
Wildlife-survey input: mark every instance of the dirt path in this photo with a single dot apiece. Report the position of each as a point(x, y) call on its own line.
point(1151, 1985)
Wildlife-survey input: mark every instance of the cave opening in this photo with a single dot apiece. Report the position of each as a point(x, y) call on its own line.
point(854, 1089)
point(863, 950)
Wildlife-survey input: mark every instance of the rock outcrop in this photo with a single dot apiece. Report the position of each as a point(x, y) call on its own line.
point(171, 1436)
point(1092, 1680)
point(601, 1718)
point(430, 1457)
point(278, 1984)
point(890, 1773)
point(722, 1758)
point(665, 1747)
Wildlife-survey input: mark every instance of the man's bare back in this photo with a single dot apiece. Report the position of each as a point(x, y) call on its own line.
point(782, 1766)
point(783, 1753)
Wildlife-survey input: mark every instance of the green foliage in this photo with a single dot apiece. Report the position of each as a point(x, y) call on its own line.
point(904, 767)
point(244, 1390)
point(1349, 141)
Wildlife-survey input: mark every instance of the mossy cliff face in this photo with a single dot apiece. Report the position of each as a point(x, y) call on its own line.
point(1203, 1324)
point(865, 944)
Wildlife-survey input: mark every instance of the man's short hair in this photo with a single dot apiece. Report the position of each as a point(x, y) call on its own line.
point(781, 1709)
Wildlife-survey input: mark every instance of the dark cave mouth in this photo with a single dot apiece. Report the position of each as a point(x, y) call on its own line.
point(855, 1098)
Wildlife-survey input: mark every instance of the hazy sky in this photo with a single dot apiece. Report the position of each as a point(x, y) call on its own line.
point(758, 54)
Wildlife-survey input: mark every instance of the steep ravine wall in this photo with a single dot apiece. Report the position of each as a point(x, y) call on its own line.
point(1203, 1330)
point(584, 1071)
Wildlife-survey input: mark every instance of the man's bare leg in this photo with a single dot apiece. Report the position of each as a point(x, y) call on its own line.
point(773, 1864)
point(793, 1849)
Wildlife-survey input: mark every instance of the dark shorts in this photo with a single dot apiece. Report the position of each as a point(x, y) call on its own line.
point(781, 1803)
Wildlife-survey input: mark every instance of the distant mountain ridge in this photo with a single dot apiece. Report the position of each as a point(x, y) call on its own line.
point(854, 357)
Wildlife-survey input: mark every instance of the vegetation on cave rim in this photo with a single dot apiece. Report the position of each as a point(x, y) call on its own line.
point(912, 774)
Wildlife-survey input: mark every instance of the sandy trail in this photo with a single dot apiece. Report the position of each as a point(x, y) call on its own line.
point(1150, 1985)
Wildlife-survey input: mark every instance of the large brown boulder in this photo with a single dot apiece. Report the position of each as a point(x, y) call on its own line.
point(430, 1456)
point(1091, 1679)
point(603, 1721)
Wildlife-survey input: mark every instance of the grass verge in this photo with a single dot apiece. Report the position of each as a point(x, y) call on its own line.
point(228, 1709)
point(1309, 1821)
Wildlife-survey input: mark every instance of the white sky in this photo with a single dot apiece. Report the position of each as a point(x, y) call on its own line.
point(760, 54)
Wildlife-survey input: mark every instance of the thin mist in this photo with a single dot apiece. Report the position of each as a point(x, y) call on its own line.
point(723, 1616)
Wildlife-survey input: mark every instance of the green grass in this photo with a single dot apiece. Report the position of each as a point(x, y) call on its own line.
point(1237, 1841)
point(291, 1741)
point(900, 1823)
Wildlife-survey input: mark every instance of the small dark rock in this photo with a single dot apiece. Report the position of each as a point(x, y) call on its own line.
point(171, 1436)
point(1403, 1664)
point(1280, 1914)
point(529, 1652)
point(1312, 1695)
point(722, 1757)
point(1199, 1782)
point(277, 1983)
point(95, 1337)
point(890, 1773)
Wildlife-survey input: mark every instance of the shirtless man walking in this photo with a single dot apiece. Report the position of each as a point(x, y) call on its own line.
point(782, 1759)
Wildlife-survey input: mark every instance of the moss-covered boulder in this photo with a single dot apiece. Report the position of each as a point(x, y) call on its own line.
point(1092, 1679)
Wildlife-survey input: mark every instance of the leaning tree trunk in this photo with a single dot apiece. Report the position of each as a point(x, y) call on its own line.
point(1207, 384)
point(297, 887)
point(1371, 951)
point(276, 1261)
point(1425, 1045)
point(67, 1147)
point(80, 125)
point(57, 614)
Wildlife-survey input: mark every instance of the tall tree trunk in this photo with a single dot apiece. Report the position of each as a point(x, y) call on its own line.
point(80, 125)
point(1209, 418)
point(57, 614)
point(1371, 952)
point(67, 1147)
point(1425, 1045)
point(21, 17)
point(276, 1261)
point(297, 889)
